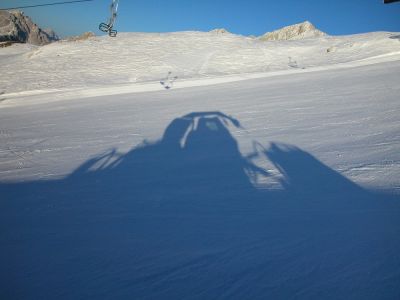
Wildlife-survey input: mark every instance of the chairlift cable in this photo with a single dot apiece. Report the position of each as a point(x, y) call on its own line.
point(46, 4)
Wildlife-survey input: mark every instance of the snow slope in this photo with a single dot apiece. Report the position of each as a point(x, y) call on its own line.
point(282, 184)
point(139, 57)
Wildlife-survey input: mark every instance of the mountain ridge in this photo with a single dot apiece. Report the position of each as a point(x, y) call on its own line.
point(293, 32)
point(15, 26)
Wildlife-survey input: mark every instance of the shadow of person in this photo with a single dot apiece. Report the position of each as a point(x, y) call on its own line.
point(180, 218)
point(305, 176)
point(197, 157)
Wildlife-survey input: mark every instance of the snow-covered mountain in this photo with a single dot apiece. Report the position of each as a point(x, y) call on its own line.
point(293, 32)
point(17, 27)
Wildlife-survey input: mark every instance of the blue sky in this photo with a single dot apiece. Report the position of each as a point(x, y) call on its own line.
point(250, 17)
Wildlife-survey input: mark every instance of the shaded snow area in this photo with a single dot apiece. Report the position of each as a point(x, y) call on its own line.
point(279, 184)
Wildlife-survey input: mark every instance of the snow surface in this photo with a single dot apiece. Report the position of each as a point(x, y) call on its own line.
point(248, 179)
point(143, 57)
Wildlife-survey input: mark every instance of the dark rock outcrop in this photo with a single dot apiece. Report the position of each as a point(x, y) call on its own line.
point(16, 27)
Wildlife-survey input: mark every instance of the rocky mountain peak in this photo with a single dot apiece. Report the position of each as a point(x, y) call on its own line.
point(16, 27)
point(293, 32)
point(219, 31)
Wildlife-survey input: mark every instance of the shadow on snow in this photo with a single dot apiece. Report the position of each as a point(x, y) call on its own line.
point(181, 218)
point(395, 37)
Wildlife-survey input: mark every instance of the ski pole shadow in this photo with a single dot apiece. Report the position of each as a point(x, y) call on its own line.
point(181, 217)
